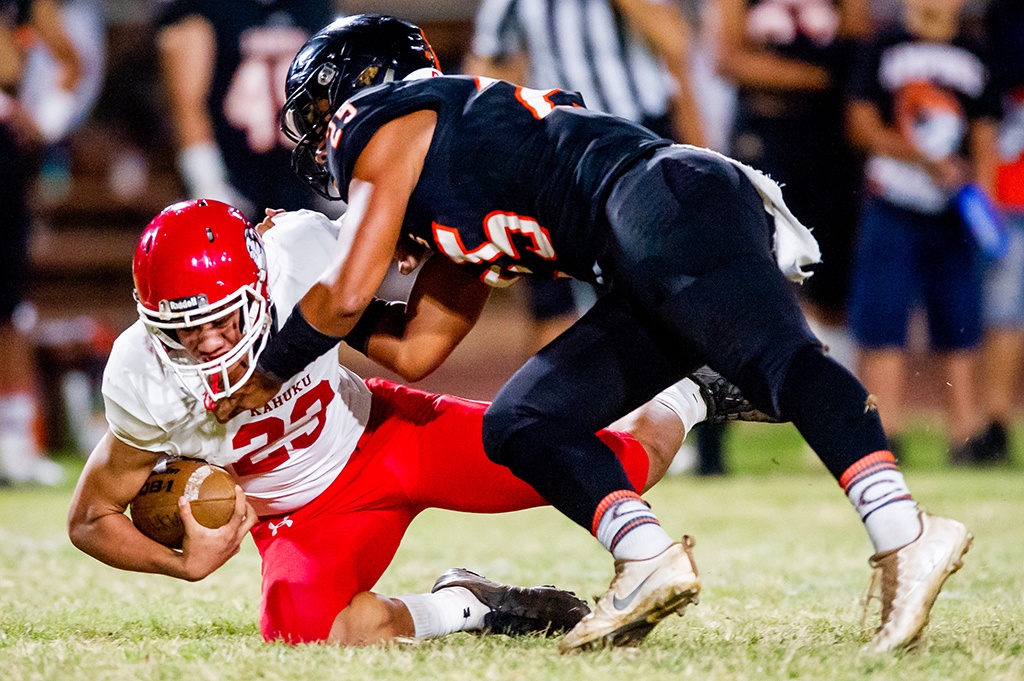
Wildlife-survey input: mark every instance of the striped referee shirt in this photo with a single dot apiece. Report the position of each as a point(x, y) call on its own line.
point(581, 45)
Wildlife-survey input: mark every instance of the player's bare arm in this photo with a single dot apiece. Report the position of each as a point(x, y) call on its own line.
point(97, 524)
point(383, 179)
point(444, 304)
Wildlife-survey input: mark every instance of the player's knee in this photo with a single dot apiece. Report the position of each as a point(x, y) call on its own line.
point(764, 378)
point(513, 440)
point(499, 424)
point(368, 619)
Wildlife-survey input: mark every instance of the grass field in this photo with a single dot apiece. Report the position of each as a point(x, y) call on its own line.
point(783, 557)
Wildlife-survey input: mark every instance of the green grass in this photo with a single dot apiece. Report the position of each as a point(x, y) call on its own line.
point(782, 555)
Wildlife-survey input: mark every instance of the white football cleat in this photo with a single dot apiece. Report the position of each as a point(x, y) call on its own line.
point(908, 580)
point(643, 593)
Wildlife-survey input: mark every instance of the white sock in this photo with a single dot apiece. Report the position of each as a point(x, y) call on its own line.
point(685, 401)
point(629, 530)
point(450, 609)
point(881, 496)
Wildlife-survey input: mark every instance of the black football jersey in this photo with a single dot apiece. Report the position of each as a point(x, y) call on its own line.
point(515, 179)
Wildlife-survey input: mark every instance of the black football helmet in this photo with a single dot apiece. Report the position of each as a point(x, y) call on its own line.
point(343, 57)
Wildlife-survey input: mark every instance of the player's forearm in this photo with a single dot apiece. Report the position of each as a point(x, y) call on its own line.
point(412, 357)
point(112, 539)
point(411, 343)
point(334, 313)
point(444, 305)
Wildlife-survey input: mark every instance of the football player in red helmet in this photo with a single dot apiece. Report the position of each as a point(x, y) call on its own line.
point(191, 275)
point(316, 462)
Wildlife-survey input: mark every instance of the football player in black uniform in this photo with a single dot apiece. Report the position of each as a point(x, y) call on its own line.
point(501, 181)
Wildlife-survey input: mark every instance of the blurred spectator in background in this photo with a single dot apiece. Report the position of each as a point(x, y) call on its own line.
point(789, 60)
point(1004, 288)
point(923, 107)
point(626, 57)
point(21, 23)
point(224, 65)
point(57, 111)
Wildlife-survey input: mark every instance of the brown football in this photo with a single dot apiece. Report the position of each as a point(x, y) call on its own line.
point(209, 488)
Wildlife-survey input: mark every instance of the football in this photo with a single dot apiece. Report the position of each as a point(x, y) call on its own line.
point(209, 488)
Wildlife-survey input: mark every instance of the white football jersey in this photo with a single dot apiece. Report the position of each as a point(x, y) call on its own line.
point(284, 454)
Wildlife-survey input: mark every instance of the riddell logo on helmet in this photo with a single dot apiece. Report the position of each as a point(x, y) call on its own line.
point(183, 304)
point(326, 74)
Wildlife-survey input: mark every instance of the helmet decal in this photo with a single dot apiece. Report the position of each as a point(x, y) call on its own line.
point(325, 75)
point(183, 304)
point(254, 245)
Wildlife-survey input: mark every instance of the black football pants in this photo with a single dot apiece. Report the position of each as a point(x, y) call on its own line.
point(693, 281)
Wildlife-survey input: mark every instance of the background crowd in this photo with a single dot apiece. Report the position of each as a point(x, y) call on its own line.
point(895, 126)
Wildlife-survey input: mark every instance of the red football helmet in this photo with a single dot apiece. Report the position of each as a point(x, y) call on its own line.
point(196, 262)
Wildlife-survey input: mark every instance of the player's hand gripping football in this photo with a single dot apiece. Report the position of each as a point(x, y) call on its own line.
point(204, 550)
point(254, 393)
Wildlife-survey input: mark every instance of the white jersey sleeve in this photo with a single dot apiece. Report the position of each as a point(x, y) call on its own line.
point(284, 454)
point(132, 371)
point(300, 247)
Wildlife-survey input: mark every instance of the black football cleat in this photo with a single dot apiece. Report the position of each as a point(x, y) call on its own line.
point(724, 400)
point(518, 610)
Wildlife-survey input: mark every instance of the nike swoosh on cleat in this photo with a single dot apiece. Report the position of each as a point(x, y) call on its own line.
point(936, 556)
point(623, 603)
point(937, 551)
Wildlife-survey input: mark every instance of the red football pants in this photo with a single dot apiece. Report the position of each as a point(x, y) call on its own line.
point(419, 451)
